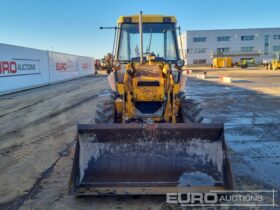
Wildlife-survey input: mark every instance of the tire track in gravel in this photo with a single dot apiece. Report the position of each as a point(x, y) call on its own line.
point(11, 127)
point(21, 151)
point(60, 91)
point(37, 142)
point(35, 145)
point(54, 114)
point(17, 202)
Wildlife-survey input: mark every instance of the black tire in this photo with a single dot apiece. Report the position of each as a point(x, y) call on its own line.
point(244, 66)
point(105, 109)
point(190, 110)
point(108, 71)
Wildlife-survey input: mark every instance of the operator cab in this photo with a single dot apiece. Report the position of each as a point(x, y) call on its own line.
point(159, 39)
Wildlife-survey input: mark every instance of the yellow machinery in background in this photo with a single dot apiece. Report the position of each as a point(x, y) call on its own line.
point(147, 136)
point(275, 63)
point(222, 62)
point(246, 62)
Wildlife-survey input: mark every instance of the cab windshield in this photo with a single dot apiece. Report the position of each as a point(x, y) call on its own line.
point(159, 39)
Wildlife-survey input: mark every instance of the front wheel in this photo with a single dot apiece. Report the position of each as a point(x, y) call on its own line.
point(190, 110)
point(105, 109)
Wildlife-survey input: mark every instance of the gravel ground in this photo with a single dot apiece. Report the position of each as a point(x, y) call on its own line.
point(37, 129)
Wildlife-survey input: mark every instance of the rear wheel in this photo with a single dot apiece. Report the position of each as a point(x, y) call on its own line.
point(105, 109)
point(190, 110)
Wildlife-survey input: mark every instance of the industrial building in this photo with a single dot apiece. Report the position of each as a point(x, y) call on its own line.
point(201, 46)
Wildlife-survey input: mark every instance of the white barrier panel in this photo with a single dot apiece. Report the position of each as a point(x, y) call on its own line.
point(86, 66)
point(226, 79)
point(63, 67)
point(22, 68)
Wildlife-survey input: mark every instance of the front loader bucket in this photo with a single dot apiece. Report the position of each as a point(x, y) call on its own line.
point(150, 159)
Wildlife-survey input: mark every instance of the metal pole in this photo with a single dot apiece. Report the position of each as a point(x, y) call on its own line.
point(114, 43)
point(141, 37)
point(182, 50)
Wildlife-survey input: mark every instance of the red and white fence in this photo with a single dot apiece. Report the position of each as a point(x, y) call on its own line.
point(23, 68)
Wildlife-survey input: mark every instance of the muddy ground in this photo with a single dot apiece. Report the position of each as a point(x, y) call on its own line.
point(37, 130)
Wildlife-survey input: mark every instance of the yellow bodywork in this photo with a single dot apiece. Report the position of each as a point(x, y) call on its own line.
point(222, 62)
point(142, 93)
point(275, 64)
point(146, 19)
point(135, 90)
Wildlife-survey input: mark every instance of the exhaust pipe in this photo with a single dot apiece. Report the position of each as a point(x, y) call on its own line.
point(141, 37)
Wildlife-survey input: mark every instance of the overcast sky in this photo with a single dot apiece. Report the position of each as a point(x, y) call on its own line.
point(72, 26)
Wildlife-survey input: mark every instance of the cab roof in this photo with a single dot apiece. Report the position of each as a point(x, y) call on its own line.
point(147, 19)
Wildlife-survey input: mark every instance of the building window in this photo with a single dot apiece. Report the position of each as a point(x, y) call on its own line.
point(266, 38)
point(223, 49)
point(266, 44)
point(223, 38)
point(276, 48)
point(199, 39)
point(199, 61)
point(247, 49)
point(276, 37)
point(247, 38)
point(199, 50)
point(196, 50)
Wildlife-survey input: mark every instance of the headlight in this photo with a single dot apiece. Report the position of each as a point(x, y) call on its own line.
point(116, 63)
point(180, 63)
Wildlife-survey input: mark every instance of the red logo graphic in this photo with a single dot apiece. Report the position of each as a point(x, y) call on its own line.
point(61, 66)
point(9, 67)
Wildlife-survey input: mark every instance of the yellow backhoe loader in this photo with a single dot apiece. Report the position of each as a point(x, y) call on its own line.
point(275, 63)
point(147, 136)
